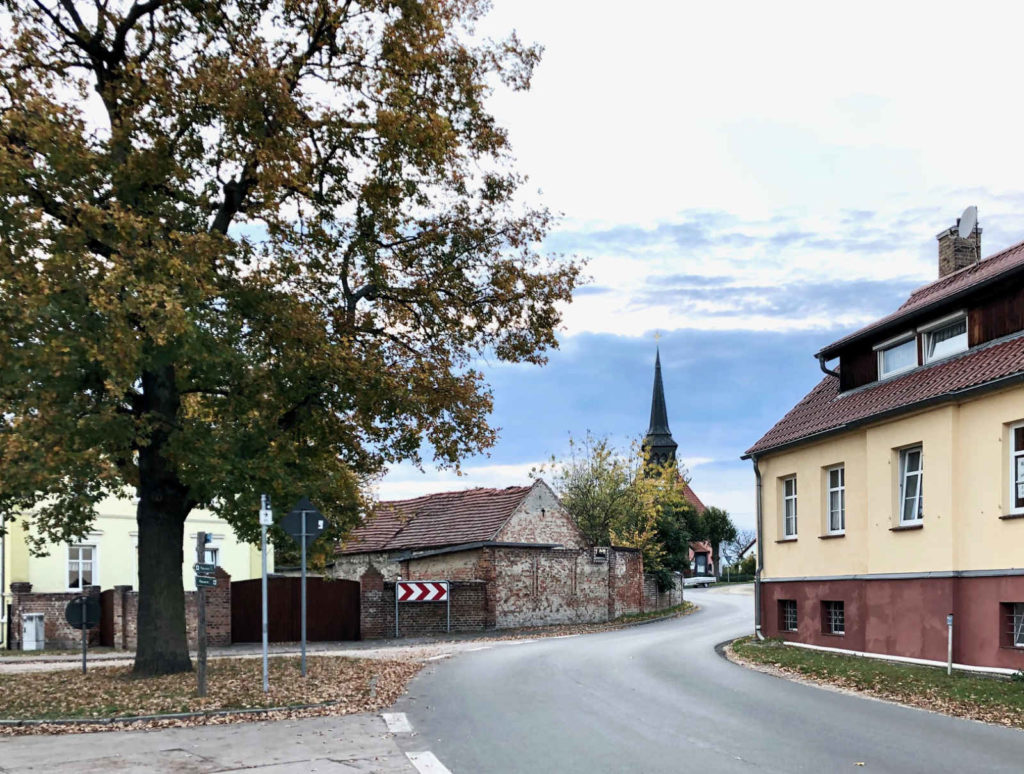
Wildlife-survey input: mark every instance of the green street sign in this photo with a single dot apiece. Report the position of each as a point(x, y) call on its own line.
point(205, 580)
point(204, 569)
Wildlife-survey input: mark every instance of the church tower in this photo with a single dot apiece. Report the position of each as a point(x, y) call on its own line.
point(659, 440)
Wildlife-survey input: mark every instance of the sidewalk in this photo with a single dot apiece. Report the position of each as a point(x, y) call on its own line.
point(350, 743)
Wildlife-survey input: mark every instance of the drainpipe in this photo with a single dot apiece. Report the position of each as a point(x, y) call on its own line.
point(3, 591)
point(826, 369)
point(760, 555)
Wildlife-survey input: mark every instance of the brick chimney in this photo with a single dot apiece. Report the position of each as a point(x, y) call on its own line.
point(956, 252)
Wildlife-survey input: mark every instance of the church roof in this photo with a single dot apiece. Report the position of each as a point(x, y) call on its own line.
point(659, 412)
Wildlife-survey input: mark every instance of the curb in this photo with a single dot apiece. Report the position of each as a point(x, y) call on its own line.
point(167, 716)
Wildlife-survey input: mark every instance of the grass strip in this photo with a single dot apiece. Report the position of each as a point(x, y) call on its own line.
point(989, 698)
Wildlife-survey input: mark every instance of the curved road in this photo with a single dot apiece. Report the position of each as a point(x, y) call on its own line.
point(657, 698)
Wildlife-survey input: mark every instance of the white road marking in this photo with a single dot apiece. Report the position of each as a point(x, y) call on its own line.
point(427, 763)
point(397, 722)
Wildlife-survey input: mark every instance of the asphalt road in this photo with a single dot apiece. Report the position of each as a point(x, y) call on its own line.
point(658, 698)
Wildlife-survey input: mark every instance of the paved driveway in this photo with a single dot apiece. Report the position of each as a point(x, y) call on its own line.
point(658, 698)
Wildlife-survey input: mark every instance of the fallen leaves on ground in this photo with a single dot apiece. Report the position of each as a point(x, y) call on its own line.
point(349, 685)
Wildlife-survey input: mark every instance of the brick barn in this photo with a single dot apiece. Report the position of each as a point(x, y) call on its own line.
point(514, 555)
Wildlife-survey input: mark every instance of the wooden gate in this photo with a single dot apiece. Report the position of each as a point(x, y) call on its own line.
point(107, 618)
point(332, 610)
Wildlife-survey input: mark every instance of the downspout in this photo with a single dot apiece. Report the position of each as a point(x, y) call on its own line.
point(824, 368)
point(760, 554)
point(3, 591)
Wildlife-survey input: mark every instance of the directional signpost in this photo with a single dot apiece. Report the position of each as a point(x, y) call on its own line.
point(204, 579)
point(304, 523)
point(266, 520)
point(83, 613)
point(422, 591)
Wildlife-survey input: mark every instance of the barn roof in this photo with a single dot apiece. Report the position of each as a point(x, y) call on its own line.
point(435, 520)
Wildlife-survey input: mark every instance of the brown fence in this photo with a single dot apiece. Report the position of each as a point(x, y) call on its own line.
point(332, 610)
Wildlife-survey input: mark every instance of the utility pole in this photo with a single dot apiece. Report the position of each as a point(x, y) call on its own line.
point(266, 519)
point(201, 608)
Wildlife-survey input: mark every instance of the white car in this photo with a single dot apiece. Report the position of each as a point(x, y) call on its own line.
point(699, 580)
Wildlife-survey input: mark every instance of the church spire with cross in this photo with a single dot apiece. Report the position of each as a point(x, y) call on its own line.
point(659, 441)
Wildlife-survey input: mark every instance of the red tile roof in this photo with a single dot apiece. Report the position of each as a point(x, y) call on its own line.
point(691, 497)
point(824, 409)
point(941, 289)
point(431, 521)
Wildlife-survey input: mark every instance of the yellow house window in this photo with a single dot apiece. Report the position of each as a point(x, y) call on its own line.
point(836, 500)
point(911, 485)
point(1017, 468)
point(789, 507)
point(81, 566)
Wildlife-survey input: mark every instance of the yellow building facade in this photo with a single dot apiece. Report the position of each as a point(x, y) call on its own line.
point(891, 498)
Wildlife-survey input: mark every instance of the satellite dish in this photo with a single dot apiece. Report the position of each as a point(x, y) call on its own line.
point(967, 222)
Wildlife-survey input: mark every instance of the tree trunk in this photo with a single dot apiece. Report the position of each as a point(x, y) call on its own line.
point(163, 507)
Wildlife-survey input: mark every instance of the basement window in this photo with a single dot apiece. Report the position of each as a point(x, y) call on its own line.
point(945, 337)
point(1012, 634)
point(787, 615)
point(833, 617)
point(897, 355)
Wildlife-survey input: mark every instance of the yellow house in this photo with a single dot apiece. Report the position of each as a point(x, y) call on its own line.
point(892, 496)
point(108, 556)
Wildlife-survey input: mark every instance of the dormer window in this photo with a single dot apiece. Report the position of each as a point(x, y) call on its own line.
point(945, 337)
point(897, 355)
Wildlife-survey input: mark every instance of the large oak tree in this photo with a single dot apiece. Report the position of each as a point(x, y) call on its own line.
point(246, 246)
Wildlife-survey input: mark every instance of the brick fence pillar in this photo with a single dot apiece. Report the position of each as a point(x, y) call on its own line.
point(218, 610)
point(18, 590)
point(119, 599)
point(371, 604)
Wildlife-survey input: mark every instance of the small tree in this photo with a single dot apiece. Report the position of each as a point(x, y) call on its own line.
point(731, 549)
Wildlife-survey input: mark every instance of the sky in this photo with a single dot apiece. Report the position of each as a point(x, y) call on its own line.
point(751, 181)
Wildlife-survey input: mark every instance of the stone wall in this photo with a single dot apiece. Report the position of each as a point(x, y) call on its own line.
point(540, 518)
point(626, 583)
point(57, 632)
point(352, 566)
point(125, 604)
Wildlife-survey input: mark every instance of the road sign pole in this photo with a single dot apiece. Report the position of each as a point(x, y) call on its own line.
point(304, 593)
point(448, 594)
point(201, 607)
point(85, 629)
point(949, 645)
point(263, 555)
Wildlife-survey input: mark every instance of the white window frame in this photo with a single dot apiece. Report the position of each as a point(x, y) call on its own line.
point(1017, 624)
point(880, 350)
point(832, 619)
point(904, 474)
point(787, 500)
point(928, 330)
point(841, 491)
point(786, 605)
point(1016, 471)
point(94, 562)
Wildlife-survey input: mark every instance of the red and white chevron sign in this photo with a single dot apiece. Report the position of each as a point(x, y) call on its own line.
point(422, 591)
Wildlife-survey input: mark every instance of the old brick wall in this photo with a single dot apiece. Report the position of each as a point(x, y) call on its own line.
point(126, 612)
point(57, 632)
point(460, 565)
point(626, 578)
point(352, 566)
point(540, 518)
point(415, 619)
point(660, 600)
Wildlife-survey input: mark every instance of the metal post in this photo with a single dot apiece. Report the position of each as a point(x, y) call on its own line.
point(448, 596)
point(84, 631)
point(397, 581)
point(263, 555)
point(201, 607)
point(949, 645)
point(304, 593)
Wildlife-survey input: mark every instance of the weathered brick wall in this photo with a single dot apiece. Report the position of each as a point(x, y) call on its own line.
point(540, 587)
point(377, 610)
point(626, 578)
point(461, 565)
point(57, 632)
point(352, 566)
point(540, 518)
point(660, 600)
point(125, 615)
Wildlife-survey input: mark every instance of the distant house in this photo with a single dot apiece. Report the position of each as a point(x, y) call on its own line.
point(519, 543)
point(892, 495)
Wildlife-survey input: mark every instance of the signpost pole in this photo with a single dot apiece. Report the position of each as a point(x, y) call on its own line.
point(201, 607)
point(949, 645)
point(398, 583)
point(304, 593)
point(448, 596)
point(265, 516)
point(85, 629)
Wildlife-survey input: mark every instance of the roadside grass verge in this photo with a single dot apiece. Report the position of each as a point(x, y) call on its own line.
point(683, 609)
point(988, 698)
point(348, 684)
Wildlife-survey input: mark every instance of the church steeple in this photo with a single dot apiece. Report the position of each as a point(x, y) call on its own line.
point(659, 440)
